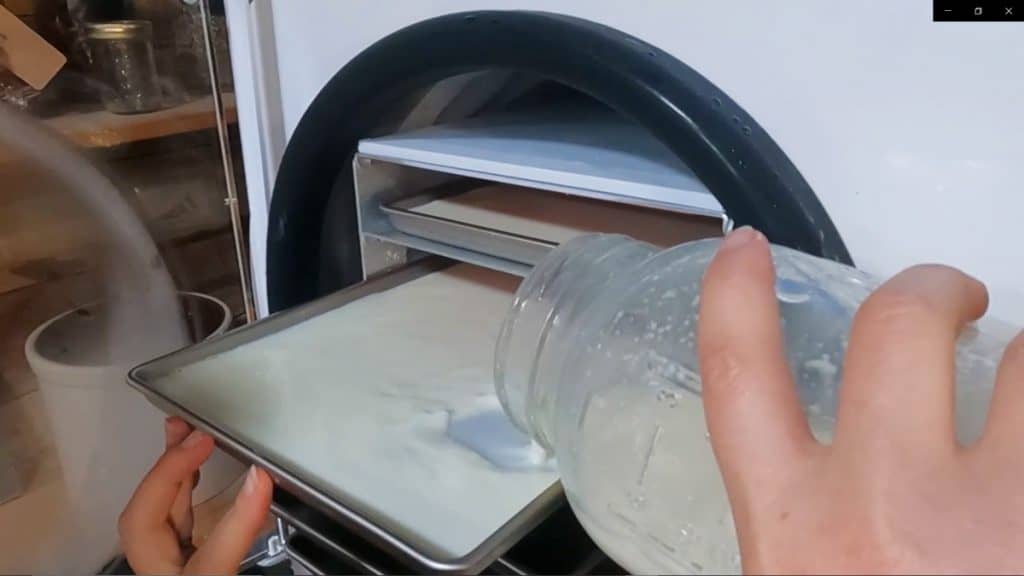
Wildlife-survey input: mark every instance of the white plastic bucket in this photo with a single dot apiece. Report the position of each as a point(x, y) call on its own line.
point(106, 433)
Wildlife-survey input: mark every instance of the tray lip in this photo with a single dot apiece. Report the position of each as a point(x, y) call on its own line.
point(487, 551)
point(405, 207)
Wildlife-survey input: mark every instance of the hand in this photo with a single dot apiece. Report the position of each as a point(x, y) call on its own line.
point(156, 525)
point(894, 492)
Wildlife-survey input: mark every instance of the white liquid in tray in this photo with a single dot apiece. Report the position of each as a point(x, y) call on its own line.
point(388, 405)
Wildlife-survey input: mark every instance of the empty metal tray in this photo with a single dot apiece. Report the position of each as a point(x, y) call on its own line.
point(500, 243)
point(523, 224)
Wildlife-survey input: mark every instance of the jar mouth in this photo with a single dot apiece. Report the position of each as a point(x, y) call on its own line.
point(548, 296)
point(119, 30)
point(512, 388)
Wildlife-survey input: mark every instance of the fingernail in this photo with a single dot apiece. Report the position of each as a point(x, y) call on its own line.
point(251, 478)
point(193, 439)
point(739, 237)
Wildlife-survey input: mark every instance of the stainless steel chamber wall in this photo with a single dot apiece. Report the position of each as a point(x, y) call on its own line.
point(472, 65)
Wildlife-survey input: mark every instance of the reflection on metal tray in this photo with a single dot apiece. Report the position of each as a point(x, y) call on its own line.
point(352, 515)
point(558, 545)
point(503, 244)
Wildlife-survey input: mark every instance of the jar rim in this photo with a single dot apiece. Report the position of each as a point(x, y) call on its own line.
point(119, 30)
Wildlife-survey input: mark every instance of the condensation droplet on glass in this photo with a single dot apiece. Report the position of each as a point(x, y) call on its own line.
point(791, 292)
point(669, 397)
point(669, 294)
point(791, 298)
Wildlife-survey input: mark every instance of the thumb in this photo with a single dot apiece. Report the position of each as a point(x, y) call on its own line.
point(233, 537)
point(758, 430)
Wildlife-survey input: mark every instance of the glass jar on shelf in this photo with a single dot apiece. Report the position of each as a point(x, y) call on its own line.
point(123, 61)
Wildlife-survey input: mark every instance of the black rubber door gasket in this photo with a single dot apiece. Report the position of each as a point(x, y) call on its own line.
point(313, 244)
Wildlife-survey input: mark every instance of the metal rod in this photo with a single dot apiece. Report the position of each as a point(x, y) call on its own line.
point(223, 138)
point(282, 530)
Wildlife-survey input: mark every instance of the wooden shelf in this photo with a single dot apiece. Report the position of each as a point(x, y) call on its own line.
point(103, 129)
point(11, 281)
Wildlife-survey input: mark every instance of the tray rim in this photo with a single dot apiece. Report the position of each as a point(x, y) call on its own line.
point(505, 244)
point(140, 378)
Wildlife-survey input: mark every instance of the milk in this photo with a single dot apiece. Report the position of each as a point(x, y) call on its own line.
point(386, 404)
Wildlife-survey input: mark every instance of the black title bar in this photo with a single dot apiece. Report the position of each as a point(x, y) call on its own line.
point(978, 10)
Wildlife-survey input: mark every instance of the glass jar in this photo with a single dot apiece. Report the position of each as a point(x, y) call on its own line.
point(123, 61)
point(597, 361)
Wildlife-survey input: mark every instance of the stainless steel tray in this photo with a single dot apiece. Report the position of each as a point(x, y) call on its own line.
point(285, 479)
point(503, 244)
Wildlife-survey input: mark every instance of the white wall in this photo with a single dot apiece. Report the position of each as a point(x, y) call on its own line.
point(910, 131)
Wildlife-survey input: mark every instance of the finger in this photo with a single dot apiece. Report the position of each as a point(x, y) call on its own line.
point(233, 537)
point(175, 430)
point(151, 504)
point(753, 413)
point(898, 374)
point(1005, 426)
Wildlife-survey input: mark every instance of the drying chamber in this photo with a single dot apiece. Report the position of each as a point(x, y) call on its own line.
point(442, 138)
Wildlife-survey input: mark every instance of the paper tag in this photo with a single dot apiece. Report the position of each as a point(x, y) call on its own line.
point(25, 53)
